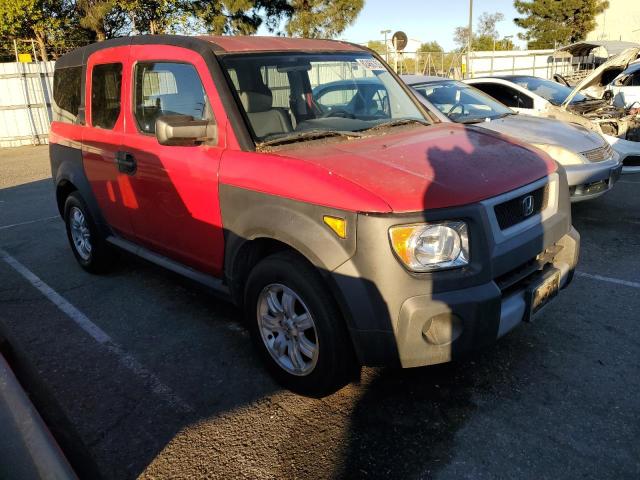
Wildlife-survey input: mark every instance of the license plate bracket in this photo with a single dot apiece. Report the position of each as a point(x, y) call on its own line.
point(541, 291)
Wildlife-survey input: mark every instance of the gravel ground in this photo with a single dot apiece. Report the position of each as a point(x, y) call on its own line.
point(559, 398)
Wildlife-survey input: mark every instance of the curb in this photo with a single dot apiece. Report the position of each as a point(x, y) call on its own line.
point(27, 448)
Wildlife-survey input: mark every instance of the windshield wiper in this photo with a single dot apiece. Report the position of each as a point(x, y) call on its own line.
point(308, 135)
point(395, 123)
point(472, 120)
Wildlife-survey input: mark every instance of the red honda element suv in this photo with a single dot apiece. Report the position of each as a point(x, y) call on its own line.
point(353, 227)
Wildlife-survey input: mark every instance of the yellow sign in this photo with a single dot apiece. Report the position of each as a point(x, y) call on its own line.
point(24, 58)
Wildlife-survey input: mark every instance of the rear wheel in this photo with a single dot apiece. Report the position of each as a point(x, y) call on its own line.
point(297, 327)
point(88, 245)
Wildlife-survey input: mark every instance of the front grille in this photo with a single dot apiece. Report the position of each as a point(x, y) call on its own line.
point(632, 161)
point(513, 211)
point(598, 154)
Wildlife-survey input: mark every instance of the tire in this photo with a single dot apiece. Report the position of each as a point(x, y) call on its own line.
point(272, 324)
point(88, 245)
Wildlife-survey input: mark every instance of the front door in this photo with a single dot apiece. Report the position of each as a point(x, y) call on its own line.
point(175, 187)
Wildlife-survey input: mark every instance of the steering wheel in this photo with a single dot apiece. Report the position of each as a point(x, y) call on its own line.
point(457, 105)
point(338, 113)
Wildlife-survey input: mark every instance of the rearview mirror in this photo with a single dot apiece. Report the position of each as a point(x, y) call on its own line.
point(184, 130)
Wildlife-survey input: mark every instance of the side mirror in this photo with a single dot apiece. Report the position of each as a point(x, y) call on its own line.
point(184, 130)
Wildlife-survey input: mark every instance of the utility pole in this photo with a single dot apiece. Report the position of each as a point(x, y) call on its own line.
point(469, 39)
point(386, 45)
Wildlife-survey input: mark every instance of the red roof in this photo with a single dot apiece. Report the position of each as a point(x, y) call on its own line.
point(279, 44)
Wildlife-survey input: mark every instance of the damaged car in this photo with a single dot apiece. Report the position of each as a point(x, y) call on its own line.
point(591, 164)
point(625, 88)
point(585, 104)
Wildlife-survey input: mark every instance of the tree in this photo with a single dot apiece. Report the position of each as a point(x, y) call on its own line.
point(549, 23)
point(321, 18)
point(156, 16)
point(105, 18)
point(430, 47)
point(485, 37)
point(377, 46)
point(35, 19)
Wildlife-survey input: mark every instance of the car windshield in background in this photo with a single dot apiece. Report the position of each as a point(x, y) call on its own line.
point(286, 96)
point(552, 91)
point(460, 102)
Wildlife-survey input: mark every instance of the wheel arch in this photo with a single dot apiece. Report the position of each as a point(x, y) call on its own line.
point(248, 253)
point(64, 188)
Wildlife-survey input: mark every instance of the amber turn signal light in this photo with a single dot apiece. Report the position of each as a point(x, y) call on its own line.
point(337, 224)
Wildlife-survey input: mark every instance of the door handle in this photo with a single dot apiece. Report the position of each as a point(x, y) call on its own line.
point(126, 163)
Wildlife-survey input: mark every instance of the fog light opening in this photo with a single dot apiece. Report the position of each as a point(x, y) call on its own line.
point(442, 329)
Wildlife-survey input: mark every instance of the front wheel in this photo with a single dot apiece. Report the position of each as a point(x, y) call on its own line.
point(297, 327)
point(88, 245)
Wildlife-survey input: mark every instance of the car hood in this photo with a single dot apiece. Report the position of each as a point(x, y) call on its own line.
point(594, 78)
point(546, 131)
point(418, 168)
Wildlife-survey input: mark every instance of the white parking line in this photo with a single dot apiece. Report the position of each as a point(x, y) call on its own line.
point(98, 335)
point(616, 281)
point(3, 227)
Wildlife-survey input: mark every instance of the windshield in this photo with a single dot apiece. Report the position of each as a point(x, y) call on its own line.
point(552, 91)
point(284, 96)
point(460, 102)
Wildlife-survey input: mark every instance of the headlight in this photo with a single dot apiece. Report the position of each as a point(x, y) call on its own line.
point(428, 247)
point(561, 154)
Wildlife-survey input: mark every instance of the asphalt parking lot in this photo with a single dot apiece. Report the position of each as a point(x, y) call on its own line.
point(140, 373)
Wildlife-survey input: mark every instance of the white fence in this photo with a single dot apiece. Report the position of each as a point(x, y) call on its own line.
point(25, 103)
point(539, 63)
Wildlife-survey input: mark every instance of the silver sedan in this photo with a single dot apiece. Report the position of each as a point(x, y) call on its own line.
point(591, 164)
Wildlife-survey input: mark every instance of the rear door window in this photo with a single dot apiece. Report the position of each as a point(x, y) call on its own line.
point(66, 94)
point(506, 95)
point(163, 88)
point(106, 83)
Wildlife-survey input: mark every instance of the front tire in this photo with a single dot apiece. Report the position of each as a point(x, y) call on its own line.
point(296, 326)
point(87, 243)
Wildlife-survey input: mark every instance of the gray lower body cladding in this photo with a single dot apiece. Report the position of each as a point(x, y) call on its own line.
point(386, 307)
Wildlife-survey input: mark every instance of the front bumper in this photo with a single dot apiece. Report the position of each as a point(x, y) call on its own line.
point(389, 310)
point(439, 328)
point(593, 179)
point(628, 151)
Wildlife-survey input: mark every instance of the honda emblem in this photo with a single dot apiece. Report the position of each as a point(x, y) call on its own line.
point(527, 205)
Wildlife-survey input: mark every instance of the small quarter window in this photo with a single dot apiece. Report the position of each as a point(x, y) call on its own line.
point(66, 94)
point(106, 82)
point(168, 89)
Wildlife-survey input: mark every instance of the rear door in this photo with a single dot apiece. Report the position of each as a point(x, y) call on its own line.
point(175, 187)
point(106, 87)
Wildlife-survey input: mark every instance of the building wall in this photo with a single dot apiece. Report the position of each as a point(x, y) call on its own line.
point(618, 22)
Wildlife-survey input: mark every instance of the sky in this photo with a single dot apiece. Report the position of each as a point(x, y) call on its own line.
point(427, 20)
